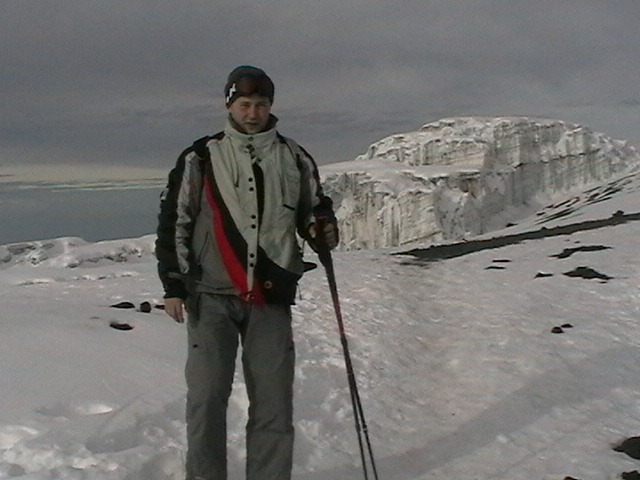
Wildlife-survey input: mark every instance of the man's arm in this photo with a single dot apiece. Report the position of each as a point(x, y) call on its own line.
point(318, 207)
point(165, 248)
point(179, 206)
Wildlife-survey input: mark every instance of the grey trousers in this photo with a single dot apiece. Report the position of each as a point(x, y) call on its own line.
point(268, 359)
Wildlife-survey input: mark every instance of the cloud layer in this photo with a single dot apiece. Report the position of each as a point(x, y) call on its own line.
point(134, 82)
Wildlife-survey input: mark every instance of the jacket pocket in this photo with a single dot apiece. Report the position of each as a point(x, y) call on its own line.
point(278, 285)
point(290, 186)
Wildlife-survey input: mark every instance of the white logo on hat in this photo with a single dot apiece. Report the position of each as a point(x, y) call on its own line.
point(232, 91)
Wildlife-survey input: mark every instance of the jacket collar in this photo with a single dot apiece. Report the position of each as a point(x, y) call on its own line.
point(258, 140)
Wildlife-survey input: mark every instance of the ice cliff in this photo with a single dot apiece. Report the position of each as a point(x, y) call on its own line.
point(460, 177)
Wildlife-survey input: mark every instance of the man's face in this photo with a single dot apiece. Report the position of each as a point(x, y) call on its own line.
point(251, 113)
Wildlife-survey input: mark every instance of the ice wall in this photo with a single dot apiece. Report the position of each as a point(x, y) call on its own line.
point(460, 177)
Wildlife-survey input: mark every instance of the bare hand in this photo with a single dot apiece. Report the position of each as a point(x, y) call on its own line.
point(174, 308)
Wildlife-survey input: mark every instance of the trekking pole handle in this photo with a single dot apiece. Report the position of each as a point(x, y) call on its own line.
point(323, 250)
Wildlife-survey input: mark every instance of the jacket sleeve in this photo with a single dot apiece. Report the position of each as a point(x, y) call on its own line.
point(166, 250)
point(314, 203)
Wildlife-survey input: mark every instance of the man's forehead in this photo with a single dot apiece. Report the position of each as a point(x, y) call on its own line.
point(254, 98)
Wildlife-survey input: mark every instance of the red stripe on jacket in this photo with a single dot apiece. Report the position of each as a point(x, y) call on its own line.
point(235, 267)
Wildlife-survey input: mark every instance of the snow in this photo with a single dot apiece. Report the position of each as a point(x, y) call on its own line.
point(458, 369)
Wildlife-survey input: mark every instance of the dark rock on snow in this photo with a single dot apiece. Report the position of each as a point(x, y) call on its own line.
point(123, 305)
point(120, 325)
point(630, 446)
point(543, 275)
point(588, 273)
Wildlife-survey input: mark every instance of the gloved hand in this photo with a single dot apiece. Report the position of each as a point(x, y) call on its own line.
point(324, 233)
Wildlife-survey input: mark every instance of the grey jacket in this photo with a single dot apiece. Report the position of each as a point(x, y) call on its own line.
point(230, 215)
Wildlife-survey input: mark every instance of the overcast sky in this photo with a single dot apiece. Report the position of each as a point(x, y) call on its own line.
point(136, 81)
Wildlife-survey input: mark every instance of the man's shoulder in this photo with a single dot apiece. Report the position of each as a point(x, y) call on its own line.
point(200, 146)
point(295, 147)
point(288, 140)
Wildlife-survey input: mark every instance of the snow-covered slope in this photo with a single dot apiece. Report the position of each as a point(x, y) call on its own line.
point(461, 177)
point(72, 252)
point(460, 373)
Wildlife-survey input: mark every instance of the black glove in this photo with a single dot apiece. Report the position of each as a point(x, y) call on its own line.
point(324, 234)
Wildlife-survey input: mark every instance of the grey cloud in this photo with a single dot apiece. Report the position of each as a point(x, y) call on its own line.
point(136, 81)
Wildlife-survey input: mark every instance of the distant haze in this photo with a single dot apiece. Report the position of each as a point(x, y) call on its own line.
point(91, 203)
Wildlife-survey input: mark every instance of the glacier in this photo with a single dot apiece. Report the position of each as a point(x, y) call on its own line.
point(461, 177)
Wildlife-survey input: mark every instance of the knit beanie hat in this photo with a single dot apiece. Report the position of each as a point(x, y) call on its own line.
point(246, 80)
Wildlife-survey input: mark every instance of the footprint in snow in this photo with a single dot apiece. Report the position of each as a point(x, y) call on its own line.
point(66, 411)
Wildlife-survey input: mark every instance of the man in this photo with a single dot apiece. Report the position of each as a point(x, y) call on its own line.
point(228, 251)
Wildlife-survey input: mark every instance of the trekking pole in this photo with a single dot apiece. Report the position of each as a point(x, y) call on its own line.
point(324, 255)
